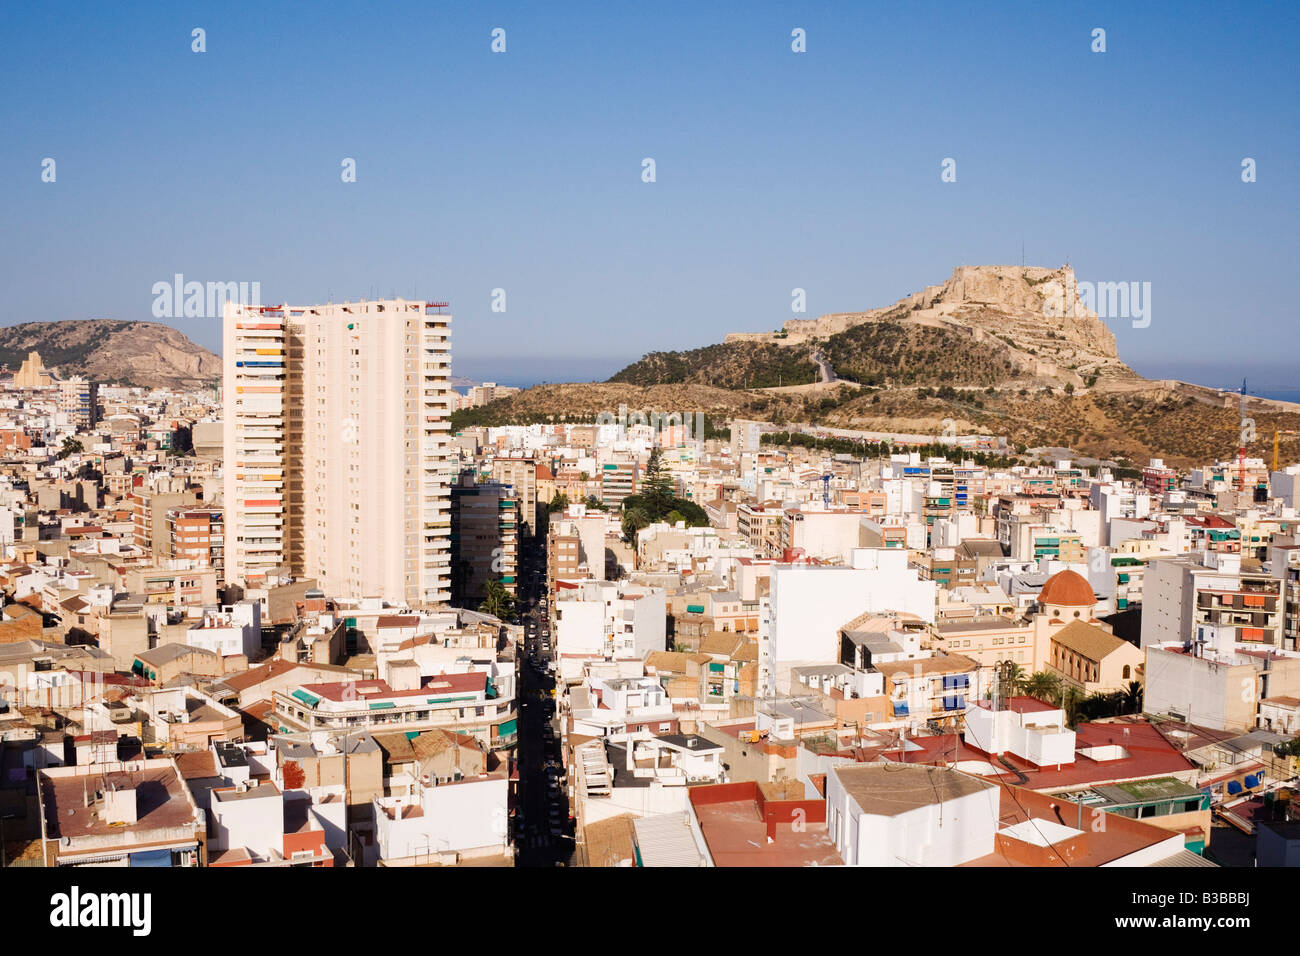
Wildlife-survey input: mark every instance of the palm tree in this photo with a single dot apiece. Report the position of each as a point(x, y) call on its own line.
point(1044, 686)
point(497, 601)
point(1133, 697)
point(1072, 702)
point(1012, 678)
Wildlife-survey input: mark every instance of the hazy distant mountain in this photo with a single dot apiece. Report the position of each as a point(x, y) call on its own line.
point(112, 350)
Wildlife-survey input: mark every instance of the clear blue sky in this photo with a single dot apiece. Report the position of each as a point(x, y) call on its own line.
point(775, 170)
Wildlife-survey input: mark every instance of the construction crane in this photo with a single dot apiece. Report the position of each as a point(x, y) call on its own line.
point(1241, 448)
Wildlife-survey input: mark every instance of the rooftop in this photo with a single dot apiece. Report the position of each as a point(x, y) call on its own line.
point(161, 800)
point(731, 818)
point(882, 790)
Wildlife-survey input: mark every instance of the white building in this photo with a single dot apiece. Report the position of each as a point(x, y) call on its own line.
point(230, 630)
point(1033, 731)
point(810, 603)
point(608, 620)
point(899, 815)
point(465, 818)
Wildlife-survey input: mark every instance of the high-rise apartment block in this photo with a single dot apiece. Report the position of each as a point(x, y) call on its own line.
point(521, 475)
point(337, 447)
point(79, 398)
point(485, 538)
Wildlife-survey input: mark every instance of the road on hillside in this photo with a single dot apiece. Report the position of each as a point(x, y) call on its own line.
point(828, 374)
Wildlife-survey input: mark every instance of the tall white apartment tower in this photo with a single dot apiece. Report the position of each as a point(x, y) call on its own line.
point(337, 463)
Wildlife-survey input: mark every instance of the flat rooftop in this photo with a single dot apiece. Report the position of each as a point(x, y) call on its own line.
point(891, 789)
point(160, 795)
point(736, 835)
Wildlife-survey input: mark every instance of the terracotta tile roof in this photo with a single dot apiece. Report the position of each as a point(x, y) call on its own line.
point(1088, 641)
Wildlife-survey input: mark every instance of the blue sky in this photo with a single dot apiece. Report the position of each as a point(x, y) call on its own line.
point(775, 170)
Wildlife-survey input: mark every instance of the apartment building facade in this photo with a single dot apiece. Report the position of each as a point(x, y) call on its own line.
point(337, 460)
point(484, 538)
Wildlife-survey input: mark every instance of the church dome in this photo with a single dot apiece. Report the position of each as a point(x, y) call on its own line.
point(1067, 589)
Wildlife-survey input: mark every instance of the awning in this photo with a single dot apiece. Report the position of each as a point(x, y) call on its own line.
point(152, 858)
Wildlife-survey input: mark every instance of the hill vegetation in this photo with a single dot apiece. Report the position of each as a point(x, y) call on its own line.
point(729, 365)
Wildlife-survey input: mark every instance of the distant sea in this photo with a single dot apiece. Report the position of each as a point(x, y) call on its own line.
point(1276, 381)
point(527, 372)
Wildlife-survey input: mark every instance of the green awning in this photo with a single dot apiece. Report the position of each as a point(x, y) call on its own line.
point(305, 698)
point(509, 727)
point(383, 705)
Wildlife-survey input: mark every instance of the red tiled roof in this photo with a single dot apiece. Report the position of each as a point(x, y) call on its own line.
point(1092, 846)
point(1149, 755)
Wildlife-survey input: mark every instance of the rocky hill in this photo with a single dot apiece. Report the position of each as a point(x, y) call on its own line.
point(1000, 350)
point(112, 350)
point(985, 325)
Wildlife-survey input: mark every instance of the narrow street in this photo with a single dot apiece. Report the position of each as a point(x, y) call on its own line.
point(544, 834)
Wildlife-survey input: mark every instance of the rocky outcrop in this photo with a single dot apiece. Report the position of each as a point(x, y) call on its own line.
point(113, 350)
point(1034, 313)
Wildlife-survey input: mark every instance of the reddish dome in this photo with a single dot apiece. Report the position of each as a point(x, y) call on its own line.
point(1067, 589)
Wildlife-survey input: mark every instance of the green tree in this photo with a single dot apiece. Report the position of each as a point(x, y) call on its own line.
point(558, 503)
point(1011, 678)
point(70, 447)
point(497, 601)
point(656, 488)
point(1133, 697)
point(1044, 686)
point(1072, 703)
point(634, 519)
